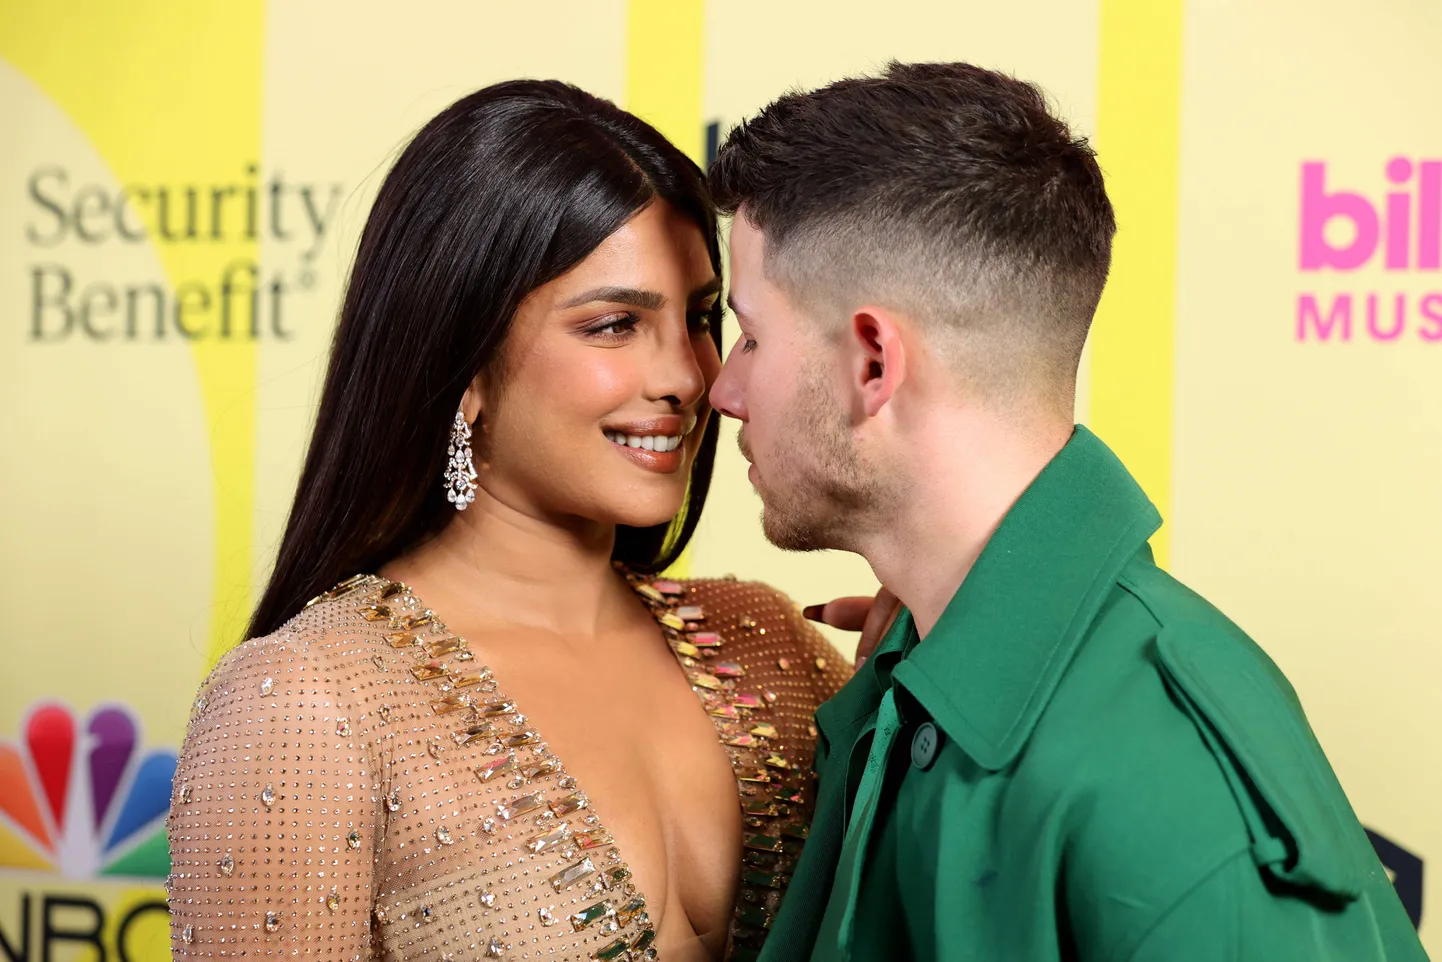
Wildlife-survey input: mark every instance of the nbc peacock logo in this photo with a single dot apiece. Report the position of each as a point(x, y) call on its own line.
point(82, 798)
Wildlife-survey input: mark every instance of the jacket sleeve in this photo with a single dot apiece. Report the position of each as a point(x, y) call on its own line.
point(1230, 915)
point(273, 819)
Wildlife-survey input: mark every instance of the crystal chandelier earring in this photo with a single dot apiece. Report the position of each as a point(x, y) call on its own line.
point(460, 476)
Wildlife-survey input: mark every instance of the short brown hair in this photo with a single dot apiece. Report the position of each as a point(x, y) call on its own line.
point(946, 190)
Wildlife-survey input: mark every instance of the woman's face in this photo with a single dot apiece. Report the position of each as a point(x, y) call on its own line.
point(599, 405)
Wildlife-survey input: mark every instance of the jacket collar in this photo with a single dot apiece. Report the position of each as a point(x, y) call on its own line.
point(852, 709)
point(989, 667)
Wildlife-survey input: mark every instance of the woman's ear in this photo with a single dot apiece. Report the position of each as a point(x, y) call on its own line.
point(473, 401)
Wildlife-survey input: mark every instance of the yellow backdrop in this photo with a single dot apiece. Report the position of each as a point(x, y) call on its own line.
point(183, 184)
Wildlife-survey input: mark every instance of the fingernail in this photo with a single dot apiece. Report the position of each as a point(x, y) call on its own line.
point(860, 661)
point(812, 612)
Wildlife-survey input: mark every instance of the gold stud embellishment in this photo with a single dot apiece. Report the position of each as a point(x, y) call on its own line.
point(428, 671)
point(450, 703)
point(444, 646)
point(619, 949)
point(473, 735)
point(376, 612)
point(627, 913)
point(591, 914)
point(574, 802)
point(520, 805)
point(701, 679)
point(499, 766)
point(546, 841)
point(593, 839)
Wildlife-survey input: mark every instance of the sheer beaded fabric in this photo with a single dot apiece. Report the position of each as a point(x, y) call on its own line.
point(358, 785)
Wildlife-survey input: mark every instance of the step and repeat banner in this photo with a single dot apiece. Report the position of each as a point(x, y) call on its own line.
point(182, 187)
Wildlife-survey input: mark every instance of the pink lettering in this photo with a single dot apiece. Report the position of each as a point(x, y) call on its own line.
point(1319, 208)
point(1431, 310)
point(1429, 220)
point(1339, 315)
point(1399, 215)
point(1399, 317)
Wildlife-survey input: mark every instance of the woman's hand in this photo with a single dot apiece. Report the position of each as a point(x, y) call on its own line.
point(870, 616)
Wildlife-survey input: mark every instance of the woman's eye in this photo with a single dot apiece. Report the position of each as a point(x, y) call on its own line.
point(747, 345)
point(618, 326)
point(700, 322)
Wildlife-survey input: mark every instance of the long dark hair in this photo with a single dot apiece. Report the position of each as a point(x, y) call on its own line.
point(505, 190)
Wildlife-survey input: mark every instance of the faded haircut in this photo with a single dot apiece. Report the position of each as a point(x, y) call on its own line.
point(945, 191)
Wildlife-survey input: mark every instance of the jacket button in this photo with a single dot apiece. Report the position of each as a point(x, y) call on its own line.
point(924, 745)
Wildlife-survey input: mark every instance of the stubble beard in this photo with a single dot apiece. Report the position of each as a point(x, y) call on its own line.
point(819, 498)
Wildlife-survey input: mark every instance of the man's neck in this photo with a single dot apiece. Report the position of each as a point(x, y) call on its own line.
point(966, 479)
point(499, 565)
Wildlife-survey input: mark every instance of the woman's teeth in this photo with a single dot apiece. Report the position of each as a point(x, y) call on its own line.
point(646, 442)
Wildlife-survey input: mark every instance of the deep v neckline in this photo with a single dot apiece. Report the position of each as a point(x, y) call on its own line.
point(533, 794)
point(537, 802)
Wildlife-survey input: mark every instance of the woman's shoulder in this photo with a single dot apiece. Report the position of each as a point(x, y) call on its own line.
point(319, 649)
point(758, 621)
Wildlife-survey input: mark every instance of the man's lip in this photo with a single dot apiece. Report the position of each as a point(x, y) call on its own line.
point(666, 426)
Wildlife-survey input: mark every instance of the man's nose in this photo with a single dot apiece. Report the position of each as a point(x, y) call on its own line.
point(726, 394)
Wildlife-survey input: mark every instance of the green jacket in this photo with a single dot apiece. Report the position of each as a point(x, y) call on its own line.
point(1083, 761)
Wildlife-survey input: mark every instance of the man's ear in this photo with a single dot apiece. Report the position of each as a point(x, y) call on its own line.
point(879, 364)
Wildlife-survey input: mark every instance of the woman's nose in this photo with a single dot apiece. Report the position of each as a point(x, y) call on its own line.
point(678, 377)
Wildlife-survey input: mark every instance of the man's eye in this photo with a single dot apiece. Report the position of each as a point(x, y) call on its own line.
point(748, 345)
point(700, 322)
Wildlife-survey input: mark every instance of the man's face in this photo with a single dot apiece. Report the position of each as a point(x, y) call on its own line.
point(785, 380)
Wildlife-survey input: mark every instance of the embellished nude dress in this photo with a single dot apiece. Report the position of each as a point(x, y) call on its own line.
point(358, 785)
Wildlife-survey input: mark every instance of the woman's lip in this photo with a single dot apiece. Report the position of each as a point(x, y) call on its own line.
point(661, 462)
point(667, 426)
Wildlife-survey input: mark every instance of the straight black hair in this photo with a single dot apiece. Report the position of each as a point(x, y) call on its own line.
point(505, 190)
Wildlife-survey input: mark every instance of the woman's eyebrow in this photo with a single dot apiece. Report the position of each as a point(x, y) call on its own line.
point(713, 286)
point(630, 296)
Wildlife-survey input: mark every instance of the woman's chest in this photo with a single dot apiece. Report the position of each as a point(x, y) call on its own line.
point(640, 744)
point(551, 803)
